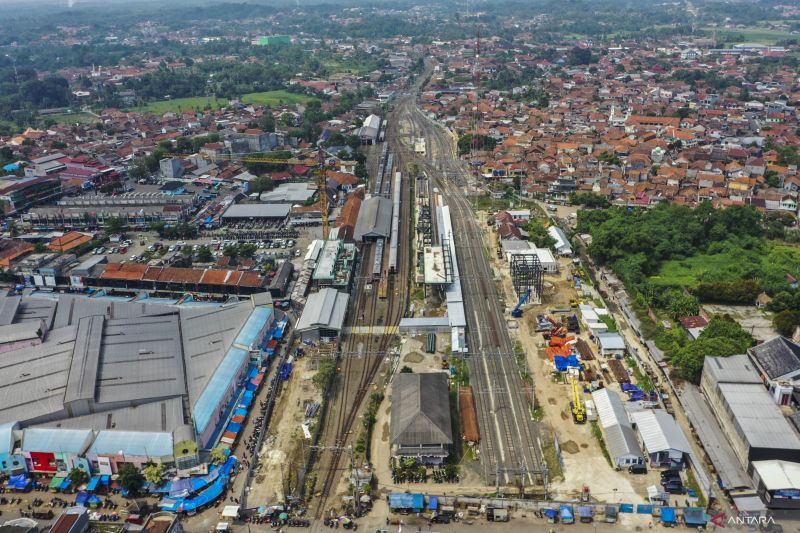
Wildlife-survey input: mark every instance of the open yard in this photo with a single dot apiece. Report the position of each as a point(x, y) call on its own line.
point(275, 98)
point(753, 34)
point(179, 105)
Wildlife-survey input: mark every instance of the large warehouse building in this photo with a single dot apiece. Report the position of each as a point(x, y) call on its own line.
point(98, 364)
point(748, 415)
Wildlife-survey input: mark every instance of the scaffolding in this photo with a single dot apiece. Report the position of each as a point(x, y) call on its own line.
point(527, 273)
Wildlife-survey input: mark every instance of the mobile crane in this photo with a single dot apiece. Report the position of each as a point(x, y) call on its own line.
point(576, 405)
point(321, 165)
point(517, 311)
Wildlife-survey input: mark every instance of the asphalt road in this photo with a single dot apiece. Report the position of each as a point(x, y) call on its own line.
point(509, 437)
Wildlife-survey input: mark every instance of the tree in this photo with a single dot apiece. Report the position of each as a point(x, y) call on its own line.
point(218, 455)
point(786, 322)
point(40, 248)
point(116, 225)
point(231, 252)
point(138, 169)
point(204, 255)
point(248, 251)
point(579, 56)
point(261, 184)
point(13, 230)
point(267, 122)
point(78, 476)
point(480, 142)
point(678, 304)
point(154, 473)
point(539, 235)
point(772, 178)
point(130, 479)
point(406, 370)
point(325, 372)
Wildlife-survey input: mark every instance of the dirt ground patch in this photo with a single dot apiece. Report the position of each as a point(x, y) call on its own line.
point(413, 357)
point(280, 455)
point(571, 446)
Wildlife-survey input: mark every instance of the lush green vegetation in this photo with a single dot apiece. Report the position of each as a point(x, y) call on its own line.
point(753, 34)
point(275, 98)
point(178, 105)
point(480, 142)
point(673, 257)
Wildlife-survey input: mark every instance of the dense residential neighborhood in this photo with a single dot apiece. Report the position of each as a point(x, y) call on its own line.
point(451, 266)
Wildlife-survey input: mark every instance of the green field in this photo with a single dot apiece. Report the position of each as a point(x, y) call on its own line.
point(735, 264)
point(179, 105)
point(275, 98)
point(72, 118)
point(751, 35)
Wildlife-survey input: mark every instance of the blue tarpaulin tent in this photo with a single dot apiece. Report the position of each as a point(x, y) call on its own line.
point(94, 499)
point(584, 512)
point(105, 480)
point(644, 509)
point(401, 500)
point(93, 483)
point(240, 412)
point(626, 508)
point(65, 484)
point(433, 503)
point(234, 427)
point(286, 371)
point(694, 516)
point(668, 515)
point(81, 498)
point(563, 363)
point(18, 482)
point(566, 514)
point(214, 491)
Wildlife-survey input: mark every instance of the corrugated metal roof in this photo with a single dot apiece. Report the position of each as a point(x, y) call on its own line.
point(141, 443)
point(758, 417)
point(778, 475)
point(660, 432)
point(209, 401)
point(56, 440)
point(610, 409)
point(420, 410)
point(374, 218)
point(324, 309)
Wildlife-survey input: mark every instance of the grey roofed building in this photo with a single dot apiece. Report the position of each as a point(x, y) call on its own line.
point(622, 443)
point(733, 369)
point(110, 364)
point(323, 315)
point(777, 359)
point(374, 219)
point(293, 193)
point(663, 439)
point(368, 132)
point(420, 424)
point(750, 419)
point(238, 211)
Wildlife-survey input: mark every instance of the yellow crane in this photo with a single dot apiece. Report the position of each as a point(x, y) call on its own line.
point(320, 163)
point(578, 409)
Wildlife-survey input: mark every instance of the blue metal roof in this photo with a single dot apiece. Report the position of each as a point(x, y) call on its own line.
point(7, 437)
point(667, 514)
point(247, 336)
point(401, 500)
point(211, 397)
point(140, 443)
point(56, 440)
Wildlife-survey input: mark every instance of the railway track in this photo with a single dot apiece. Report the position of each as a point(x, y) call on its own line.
point(509, 439)
point(361, 358)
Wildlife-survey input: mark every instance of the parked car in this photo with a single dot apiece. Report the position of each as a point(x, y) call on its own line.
point(637, 469)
